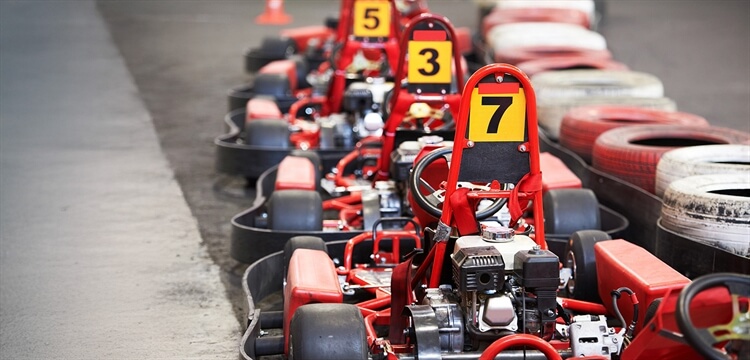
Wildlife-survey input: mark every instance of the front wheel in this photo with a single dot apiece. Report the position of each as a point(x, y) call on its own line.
point(328, 331)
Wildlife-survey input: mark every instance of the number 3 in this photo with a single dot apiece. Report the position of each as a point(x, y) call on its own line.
point(432, 61)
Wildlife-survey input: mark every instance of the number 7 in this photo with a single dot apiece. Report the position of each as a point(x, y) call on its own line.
point(504, 103)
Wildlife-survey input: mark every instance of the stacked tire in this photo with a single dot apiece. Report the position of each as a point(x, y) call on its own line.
point(582, 126)
point(632, 153)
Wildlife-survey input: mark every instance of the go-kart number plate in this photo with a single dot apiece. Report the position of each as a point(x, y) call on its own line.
point(497, 113)
point(430, 58)
point(372, 18)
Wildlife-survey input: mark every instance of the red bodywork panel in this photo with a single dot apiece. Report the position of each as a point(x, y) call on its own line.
point(262, 108)
point(303, 35)
point(620, 263)
point(296, 173)
point(311, 278)
point(284, 67)
point(555, 175)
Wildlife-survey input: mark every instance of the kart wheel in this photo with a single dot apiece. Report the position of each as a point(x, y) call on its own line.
point(701, 160)
point(271, 84)
point(328, 331)
point(712, 209)
point(552, 111)
point(315, 160)
point(581, 260)
point(271, 49)
point(267, 132)
point(301, 242)
point(295, 210)
point(569, 210)
point(632, 153)
point(581, 126)
point(302, 68)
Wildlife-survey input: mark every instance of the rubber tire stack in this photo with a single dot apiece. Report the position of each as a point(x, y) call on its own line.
point(701, 160)
point(631, 153)
point(581, 126)
point(712, 209)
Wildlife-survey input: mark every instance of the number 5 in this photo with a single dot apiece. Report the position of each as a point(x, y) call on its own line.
point(371, 13)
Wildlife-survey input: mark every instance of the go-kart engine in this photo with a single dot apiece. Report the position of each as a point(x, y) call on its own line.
point(502, 284)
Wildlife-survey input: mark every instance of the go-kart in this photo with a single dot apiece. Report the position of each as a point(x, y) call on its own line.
point(314, 42)
point(422, 102)
point(342, 105)
point(487, 292)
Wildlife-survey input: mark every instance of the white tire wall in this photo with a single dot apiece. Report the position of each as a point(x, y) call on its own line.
point(546, 34)
point(559, 91)
point(701, 160)
point(712, 209)
point(586, 6)
point(550, 112)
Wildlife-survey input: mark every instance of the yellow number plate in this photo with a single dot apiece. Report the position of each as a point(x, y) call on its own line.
point(372, 18)
point(497, 113)
point(430, 62)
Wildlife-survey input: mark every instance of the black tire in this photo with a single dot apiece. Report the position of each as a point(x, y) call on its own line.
point(581, 258)
point(331, 22)
point(272, 84)
point(315, 160)
point(267, 132)
point(569, 210)
point(328, 332)
point(303, 68)
point(301, 242)
point(295, 210)
point(270, 49)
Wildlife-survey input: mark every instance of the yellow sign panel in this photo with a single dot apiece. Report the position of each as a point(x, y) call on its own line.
point(497, 113)
point(372, 18)
point(430, 62)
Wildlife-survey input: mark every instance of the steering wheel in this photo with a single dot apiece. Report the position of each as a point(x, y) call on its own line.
point(422, 116)
point(433, 203)
point(738, 328)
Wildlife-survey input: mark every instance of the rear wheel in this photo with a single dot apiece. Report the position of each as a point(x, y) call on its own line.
point(570, 210)
point(581, 260)
point(295, 210)
point(267, 132)
point(328, 331)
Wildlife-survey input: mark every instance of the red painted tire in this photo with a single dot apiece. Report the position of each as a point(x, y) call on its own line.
point(631, 153)
point(536, 66)
point(508, 16)
point(518, 55)
point(581, 126)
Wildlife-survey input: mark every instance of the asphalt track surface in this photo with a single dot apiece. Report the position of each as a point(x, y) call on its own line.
point(182, 57)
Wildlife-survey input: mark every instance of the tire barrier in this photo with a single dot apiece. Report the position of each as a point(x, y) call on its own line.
point(518, 42)
point(581, 126)
point(701, 160)
point(631, 153)
point(551, 63)
point(713, 209)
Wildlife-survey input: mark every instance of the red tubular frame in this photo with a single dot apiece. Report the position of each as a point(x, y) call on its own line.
point(520, 340)
point(392, 123)
point(461, 142)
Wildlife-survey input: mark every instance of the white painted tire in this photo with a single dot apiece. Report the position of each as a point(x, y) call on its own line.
point(586, 6)
point(544, 34)
point(701, 160)
point(584, 83)
point(712, 209)
point(551, 112)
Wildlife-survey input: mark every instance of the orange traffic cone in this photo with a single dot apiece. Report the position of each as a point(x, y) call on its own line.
point(274, 14)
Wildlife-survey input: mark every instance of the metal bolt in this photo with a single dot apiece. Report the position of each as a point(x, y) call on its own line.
point(614, 340)
point(470, 144)
point(522, 148)
point(499, 78)
point(550, 313)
